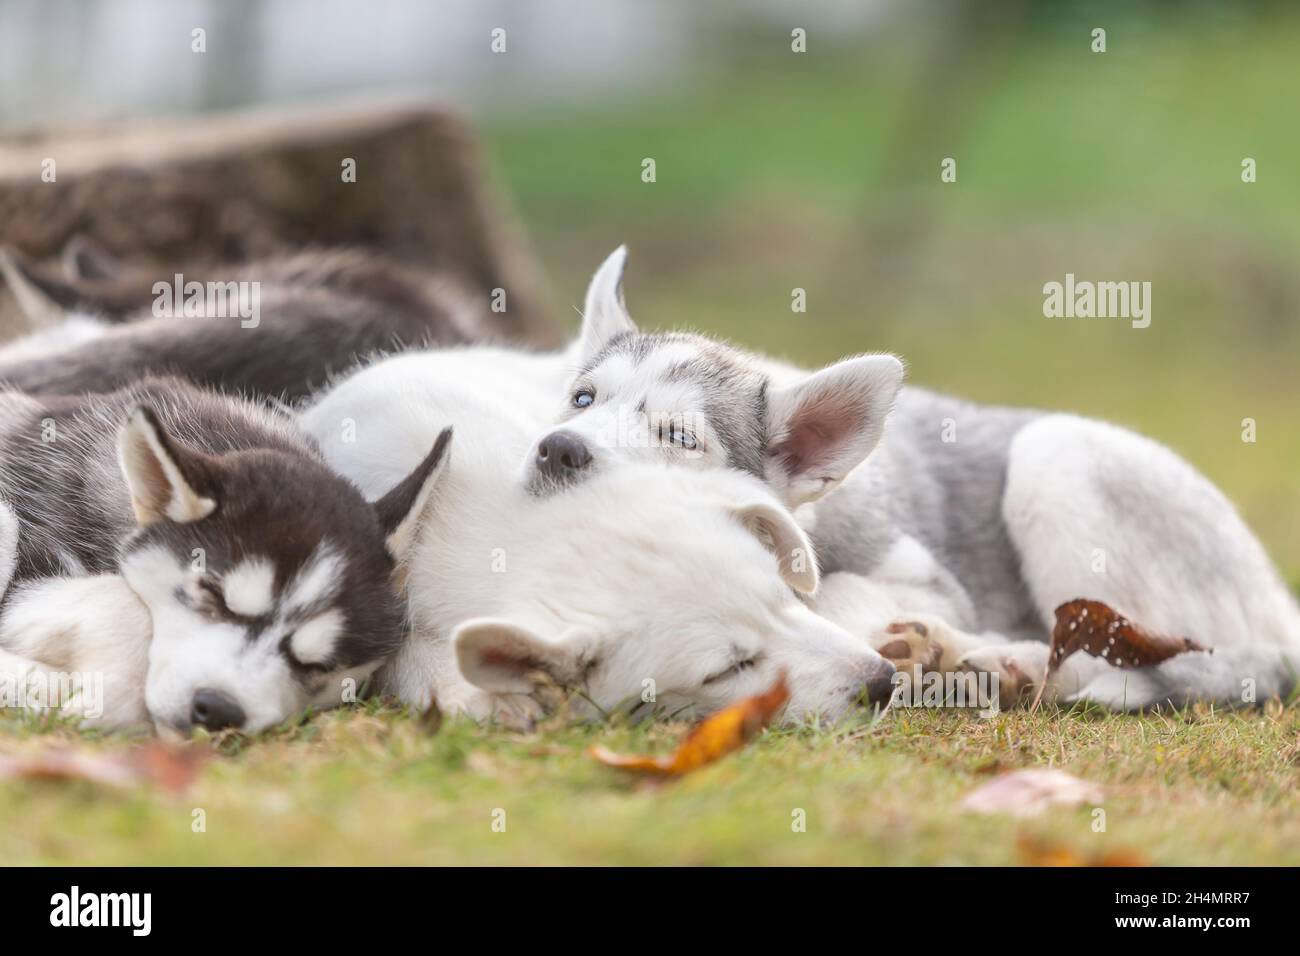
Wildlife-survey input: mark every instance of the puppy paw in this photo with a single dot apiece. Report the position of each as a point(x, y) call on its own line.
point(1018, 668)
point(909, 645)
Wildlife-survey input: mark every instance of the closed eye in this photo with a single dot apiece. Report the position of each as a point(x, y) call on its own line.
point(213, 599)
point(286, 648)
point(737, 668)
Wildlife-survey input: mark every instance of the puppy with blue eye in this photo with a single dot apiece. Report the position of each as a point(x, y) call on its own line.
point(192, 556)
point(951, 512)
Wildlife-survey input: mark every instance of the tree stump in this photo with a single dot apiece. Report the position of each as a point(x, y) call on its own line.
point(235, 187)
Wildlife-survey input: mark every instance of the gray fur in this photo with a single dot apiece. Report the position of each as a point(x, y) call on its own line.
point(735, 393)
point(188, 496)
point(321, 312)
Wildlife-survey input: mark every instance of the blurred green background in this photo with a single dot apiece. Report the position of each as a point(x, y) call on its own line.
point(821, 171)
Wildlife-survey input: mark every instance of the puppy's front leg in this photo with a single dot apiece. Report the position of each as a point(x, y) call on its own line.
point(902, 621)
point(82, 645)
point(924, 641)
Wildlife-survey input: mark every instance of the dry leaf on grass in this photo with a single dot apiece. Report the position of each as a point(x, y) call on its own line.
point(1034, 851)
point(712, 739)
point(1027, 793)
point(169, 768)
point(1098, 629)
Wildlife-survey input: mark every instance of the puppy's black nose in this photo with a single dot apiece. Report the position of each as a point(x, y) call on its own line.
point(562, 455)
point(879, 685)
point(215, 711)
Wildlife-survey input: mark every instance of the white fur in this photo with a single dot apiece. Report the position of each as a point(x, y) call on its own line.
point(663, 576)
point(604, 314)
point(313, 640)
point(93, 627)
point(1060, 522)
point(317, 580)
point(247, 588)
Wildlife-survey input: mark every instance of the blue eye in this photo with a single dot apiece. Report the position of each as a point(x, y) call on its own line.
point(678, 437)
point(583, 398)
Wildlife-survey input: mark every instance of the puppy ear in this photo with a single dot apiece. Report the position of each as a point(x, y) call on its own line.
point(506, 658)
point(43, 302)
point(166, 479)
point(820, 429)
point(604, 316)
point(776, 528)
point(400, 510)
point(84, 259)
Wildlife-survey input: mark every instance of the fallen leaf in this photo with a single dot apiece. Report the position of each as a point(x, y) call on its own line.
point(167, 767)
point(1038, 852)
point(107, 771)
point(712, 739)
point(1098, 629)
point(431, 720)
point(1027, 793)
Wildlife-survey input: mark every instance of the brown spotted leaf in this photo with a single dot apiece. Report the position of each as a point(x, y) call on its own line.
point(712, 739)
point(1098, 629)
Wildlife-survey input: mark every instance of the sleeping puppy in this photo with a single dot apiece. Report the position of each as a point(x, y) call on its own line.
point(189, 558)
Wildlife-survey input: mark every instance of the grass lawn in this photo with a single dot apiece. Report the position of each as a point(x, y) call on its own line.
point(798, 174)
point(373, 786)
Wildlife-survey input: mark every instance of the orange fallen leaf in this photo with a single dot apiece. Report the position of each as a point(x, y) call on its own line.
point(710, 740)
point(1098, 629)
point(1037, 852)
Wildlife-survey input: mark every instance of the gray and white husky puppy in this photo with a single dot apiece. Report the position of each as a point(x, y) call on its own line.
point(969, 544)
point(976, 522)
point(193, 553)
point(650, 587)
point(949, 554)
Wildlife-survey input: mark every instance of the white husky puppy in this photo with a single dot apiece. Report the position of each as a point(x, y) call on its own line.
point(976, 540)
point(647, 587)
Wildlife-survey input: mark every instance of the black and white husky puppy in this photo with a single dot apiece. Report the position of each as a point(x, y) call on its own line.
point(318, 312)
point(951, 554)
point(267, 578)
point(977, 539)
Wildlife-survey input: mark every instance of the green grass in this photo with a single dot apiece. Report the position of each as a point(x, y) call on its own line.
point(373, 787)
point(793, 172)
point(801, 172)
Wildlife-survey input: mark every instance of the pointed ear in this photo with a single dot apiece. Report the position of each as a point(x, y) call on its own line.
point(820, 429)
point(166, 479)
point(43, 302)
point(400, 510)
point(503, 657)
point(83, 259)
point(604, 316)
point(776, 528)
